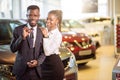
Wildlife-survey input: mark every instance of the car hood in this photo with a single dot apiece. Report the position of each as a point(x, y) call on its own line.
point(64, 53)
point(4, 47)
point(7, 57)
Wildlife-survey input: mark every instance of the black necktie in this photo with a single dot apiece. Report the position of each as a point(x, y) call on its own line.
point(31, 38)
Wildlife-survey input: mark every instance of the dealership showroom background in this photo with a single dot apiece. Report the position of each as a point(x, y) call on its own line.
point(100, 20)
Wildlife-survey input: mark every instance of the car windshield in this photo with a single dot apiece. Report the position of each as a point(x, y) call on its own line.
point(6, 29)
point(69, 25)
point(5, 33)
point(41, 23)
point(15, 23)
point(96, 19)
point(72, 24)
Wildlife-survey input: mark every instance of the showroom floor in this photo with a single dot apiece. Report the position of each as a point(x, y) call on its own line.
point(101, 68)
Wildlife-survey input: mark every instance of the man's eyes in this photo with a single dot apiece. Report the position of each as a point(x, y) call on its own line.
point(33, 15)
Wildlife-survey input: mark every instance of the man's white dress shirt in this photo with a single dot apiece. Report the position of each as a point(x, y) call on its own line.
point(34, 33)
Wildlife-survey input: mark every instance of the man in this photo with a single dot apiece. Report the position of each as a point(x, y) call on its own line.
point(29, 49)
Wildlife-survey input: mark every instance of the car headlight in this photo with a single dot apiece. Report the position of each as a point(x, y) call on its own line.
point(69, 62)
point(72, 61)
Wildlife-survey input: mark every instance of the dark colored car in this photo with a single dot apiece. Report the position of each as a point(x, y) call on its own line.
point(7, 58)
point(6, 28)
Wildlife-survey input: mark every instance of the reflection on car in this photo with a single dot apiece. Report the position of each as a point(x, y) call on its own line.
point(7, 58)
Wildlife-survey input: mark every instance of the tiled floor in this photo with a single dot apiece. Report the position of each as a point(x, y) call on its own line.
point(101, 68)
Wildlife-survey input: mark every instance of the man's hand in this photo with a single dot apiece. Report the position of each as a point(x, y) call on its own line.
point(32, 63)
point(26, 32)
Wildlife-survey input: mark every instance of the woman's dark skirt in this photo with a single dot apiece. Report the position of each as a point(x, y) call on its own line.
point(52, 68)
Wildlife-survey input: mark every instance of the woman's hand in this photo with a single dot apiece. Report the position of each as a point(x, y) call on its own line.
point(44, 31)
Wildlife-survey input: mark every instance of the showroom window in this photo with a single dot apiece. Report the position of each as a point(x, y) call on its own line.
point(5, 9)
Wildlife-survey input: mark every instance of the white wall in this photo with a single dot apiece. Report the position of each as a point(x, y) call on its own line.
point(71, 8)
point(5, 8)
point(45, 6)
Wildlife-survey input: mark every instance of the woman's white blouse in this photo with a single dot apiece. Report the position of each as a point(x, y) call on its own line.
point(52, 43)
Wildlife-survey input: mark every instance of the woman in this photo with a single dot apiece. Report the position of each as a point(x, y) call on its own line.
point(52, 67)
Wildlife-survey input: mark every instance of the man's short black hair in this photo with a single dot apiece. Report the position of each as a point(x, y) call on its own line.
point(33, 7)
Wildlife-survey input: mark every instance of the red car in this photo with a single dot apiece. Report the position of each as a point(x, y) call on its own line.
point(81, 45)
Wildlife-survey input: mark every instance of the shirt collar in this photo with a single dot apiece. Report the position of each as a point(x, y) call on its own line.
point(53, 31)
point(31, 27)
